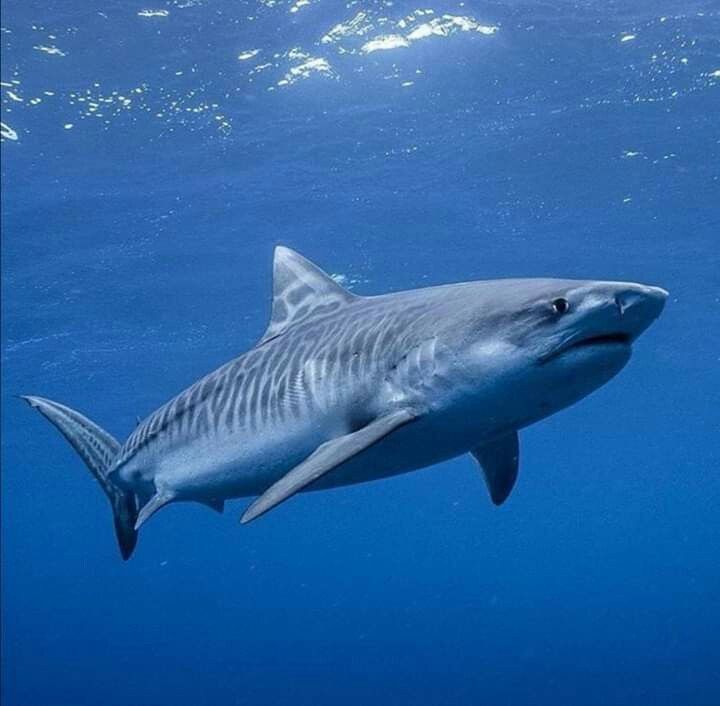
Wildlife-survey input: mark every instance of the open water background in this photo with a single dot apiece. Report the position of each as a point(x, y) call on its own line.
point(151, 161)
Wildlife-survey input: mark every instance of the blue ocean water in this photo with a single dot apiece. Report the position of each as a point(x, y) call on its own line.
point(154, 153)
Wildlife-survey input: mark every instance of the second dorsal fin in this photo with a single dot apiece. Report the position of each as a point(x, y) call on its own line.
point(300, 290)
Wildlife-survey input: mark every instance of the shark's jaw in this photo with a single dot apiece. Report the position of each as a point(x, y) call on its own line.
point(603, 340)
point(608, 343)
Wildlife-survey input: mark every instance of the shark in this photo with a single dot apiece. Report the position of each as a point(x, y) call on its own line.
point(343, 389)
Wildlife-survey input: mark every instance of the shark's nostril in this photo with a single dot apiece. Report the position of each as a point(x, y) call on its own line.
point(620, 304)
point(638, 306)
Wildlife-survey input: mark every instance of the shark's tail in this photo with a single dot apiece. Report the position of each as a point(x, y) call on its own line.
point(98, 449)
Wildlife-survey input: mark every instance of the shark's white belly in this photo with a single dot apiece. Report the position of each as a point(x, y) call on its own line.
point(239, 465)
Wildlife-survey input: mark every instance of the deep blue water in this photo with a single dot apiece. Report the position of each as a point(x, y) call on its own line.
point(142, 196)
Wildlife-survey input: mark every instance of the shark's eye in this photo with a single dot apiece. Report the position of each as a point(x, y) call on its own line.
point(560, 306)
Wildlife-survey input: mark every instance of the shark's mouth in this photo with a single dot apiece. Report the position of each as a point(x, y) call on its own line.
point(606, 339)
point(603, 340)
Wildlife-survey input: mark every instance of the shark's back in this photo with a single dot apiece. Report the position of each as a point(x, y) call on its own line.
point(322, 344)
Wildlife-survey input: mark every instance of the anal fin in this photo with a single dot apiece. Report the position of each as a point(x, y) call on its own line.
point(214, 504)
point(324, 459)
point(160, 499)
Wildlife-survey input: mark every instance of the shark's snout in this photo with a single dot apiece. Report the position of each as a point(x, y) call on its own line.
point(613, 316)
point(639, 305)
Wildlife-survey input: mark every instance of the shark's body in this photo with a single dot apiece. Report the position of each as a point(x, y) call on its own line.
point(344, 389)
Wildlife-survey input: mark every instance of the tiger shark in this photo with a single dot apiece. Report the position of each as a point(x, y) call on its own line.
point(344, 389)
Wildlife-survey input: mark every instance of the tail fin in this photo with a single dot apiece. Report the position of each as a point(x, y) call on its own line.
point(98, 449)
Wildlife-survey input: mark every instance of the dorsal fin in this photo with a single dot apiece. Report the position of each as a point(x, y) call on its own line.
point(300, 290)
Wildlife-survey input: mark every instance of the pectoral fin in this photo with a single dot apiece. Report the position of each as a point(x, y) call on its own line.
point(326, 457)
point(499, 462)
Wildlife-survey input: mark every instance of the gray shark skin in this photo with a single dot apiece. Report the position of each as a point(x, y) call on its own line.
point(344, 389)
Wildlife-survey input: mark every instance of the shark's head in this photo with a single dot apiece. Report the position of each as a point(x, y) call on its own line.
point(546, 343)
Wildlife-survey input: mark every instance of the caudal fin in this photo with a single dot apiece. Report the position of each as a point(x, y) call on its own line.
point(98, 449)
